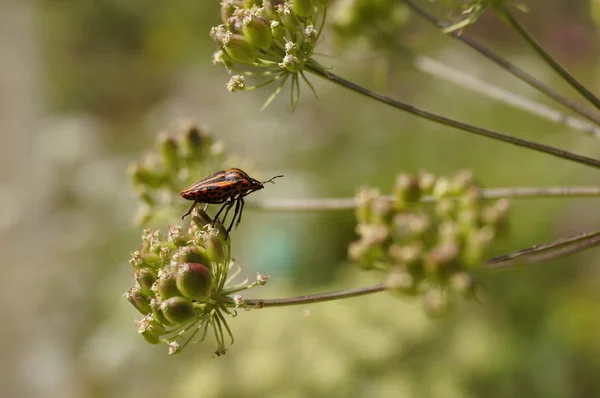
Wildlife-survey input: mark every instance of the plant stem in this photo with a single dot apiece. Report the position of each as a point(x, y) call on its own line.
point(316, 298)
point(547, 251)
point(504, 12)
point(498, 93)
point(328, 204)
point(509, 67)
point(319, 71)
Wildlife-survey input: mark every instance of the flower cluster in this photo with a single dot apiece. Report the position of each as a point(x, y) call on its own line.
point(272, 39)
point(181, 285)
point(427, 248)
point(180, 158)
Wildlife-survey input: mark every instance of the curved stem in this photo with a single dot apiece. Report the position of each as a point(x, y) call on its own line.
point(547, 251)
point(509, 67)
point(316, 298)
point(328, 204)
point(503, 11)
point(317, 70)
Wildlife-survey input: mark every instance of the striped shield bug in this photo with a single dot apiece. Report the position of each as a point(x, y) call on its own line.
point(228, 187)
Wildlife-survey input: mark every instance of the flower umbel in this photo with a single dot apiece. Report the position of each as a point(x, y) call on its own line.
point(431, 250)
point(183, 285)
point(268, 39)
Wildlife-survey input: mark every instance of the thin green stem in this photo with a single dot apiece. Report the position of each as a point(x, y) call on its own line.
point(509, 67)
point(319, 71)
point(591, 97)
point(316, 298)
point(329, 204)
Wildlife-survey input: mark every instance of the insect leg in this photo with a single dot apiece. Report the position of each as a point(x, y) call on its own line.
point(241, 199)
point(221, 209)
point(190, 210)
point(235, 214)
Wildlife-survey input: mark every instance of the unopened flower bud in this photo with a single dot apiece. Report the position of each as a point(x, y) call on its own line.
point(166, 285)
point(257, 31)
point(461, 181)
point(150, 329)
point(401, 281)
point(145, 278)
point(143, 175)
point(239, 48)
point(436, 302)
point(406, 190)
point(238, 299)
point(262, 279)
point(277, 30)
point(303, 8)
point(169, 150)
point(291, 63)
point(439, 258)
point(365, 197)
point(289, 18)
point(178, 310)
point(215, 248)
point(441, 188)
point(140, 302)
point(462, 283)
point(157, 312)
point(426, 182)
point(174, 348)
point(197, 254)
point(194, 281)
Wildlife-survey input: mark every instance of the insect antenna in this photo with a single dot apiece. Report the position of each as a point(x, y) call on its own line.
point(272, 178)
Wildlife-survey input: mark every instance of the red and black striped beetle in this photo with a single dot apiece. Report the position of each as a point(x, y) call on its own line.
point(226, 186)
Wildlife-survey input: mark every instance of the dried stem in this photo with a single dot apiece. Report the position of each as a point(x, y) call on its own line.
point(313, 67)
point(509, 67)
point(587, 94)
point(329, 204)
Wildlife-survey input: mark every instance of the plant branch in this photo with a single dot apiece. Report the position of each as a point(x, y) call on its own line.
point(319, 71)
point(534, 254)
point(509, 67)
point(547, 251)
point(328, 204)
point(469, 82)
point(316, 298)
point(504, 12)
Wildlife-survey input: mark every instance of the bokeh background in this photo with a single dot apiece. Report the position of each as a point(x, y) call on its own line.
point(85, 87)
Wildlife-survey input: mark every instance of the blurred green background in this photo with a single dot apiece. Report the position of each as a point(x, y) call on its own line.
point(86, 85)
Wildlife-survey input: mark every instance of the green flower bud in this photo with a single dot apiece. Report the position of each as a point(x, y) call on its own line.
point(239, 48)
point(291, 63)
point(406, 254)
point(364, 198)
point(257, 31)
point(444, 209)
point(461, 181)
point(289, 18)
point(368, 257)
point(440, 258)
point(269, 8)
point(166, 286)
point(277, 30)
point(402, 282)
point(151, 329)
point(304, 8)
point(157, 312)
point(143, 175)
point(169, 150)
point(228, 7)
point(406, 190)
point(200, 218)
point(463, 284)
point(441, 188)
point(426, 182)
point(145, 278)
point(197, 254)
point(381, 209)
point(178, 310)
point(215, 248)
point(408, 226)
point(194, 281)
point(141, 303)
point(436, 303)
